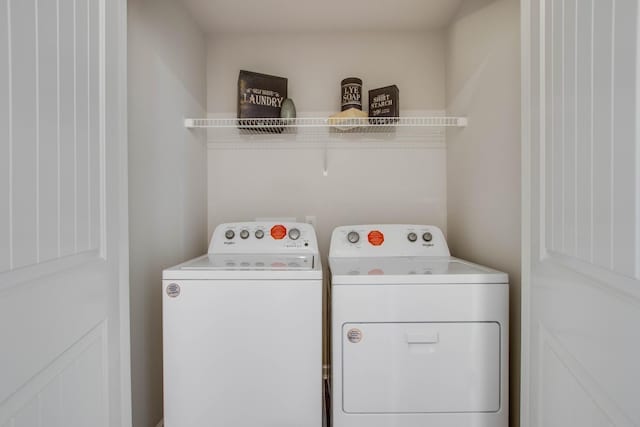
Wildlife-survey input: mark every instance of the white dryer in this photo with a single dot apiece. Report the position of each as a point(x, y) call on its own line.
point(242, 330)
point(419, 338)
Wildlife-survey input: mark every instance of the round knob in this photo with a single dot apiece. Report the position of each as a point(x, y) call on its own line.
point(353, 237)
point(412, 237)
point(229, 234)
point(244, 234)
point(294, 234)
point(259, 234)
point(427, 237)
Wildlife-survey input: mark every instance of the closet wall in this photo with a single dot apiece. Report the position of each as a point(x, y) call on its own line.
point(470, 186)
point(483, 160)
point(367, 182)
point(185, 182)
point(167, 176)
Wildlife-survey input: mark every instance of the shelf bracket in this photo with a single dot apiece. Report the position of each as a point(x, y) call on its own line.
point(325, 161)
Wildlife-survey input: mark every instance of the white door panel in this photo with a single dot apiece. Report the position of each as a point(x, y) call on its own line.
point(63, 234)
point(5, 149)
point(48, 130)
point(76, 302)
point(581, 298)
point(23, 167)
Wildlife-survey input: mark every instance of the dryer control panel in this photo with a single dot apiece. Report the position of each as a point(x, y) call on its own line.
point(263, 238)
point(388, 240)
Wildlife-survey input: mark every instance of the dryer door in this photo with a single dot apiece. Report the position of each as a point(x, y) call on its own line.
point(443, 367)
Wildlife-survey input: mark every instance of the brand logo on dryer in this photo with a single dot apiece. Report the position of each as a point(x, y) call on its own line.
point(354, 335)
point(173, 290)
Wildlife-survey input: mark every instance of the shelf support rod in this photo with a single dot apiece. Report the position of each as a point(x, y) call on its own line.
point(325, 161)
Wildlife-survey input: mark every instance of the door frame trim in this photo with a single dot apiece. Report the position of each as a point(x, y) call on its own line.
point(123, 314)
point(525, 321)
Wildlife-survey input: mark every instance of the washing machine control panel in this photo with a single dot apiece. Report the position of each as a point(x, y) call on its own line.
point(263, 237)
point(388, 240)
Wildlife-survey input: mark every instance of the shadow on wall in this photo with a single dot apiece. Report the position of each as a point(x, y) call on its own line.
point(483, 160)
point(173, 46)
point(167, 176)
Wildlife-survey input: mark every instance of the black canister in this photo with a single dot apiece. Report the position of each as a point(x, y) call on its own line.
point(351, 93)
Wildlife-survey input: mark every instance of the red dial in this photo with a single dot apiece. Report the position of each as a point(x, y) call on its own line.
point(278, 232)
point(376, 238)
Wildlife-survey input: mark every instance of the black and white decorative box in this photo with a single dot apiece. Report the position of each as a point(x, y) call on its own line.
point(384, 102)
point(260, 96)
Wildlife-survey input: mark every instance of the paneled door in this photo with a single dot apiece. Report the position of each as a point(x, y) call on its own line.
point(581, 175)
point(64, 328)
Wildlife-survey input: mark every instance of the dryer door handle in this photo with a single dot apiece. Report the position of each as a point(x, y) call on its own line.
point(423, 338)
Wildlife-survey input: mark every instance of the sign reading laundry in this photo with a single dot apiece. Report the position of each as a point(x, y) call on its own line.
point(261, 96)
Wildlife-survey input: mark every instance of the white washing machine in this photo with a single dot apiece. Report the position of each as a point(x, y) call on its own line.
point(419, 338)
point(242, 330)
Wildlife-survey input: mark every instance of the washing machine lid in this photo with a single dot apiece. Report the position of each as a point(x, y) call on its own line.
point(248, 266)
point(410, 270)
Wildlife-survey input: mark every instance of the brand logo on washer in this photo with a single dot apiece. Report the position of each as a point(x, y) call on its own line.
point(354, 335)
point(173, 290)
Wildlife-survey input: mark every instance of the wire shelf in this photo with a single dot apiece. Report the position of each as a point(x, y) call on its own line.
point(354, 125)
point(417, 131)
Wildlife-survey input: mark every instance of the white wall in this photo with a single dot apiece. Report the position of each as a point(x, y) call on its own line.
point(316, 63)
point(372, 183)
point(167, 176)
point(363, 186)
point(483, 160)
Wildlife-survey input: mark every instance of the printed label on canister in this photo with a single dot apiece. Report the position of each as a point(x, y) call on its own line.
point(354, 335)
point(351, 93)
point(173, 290)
